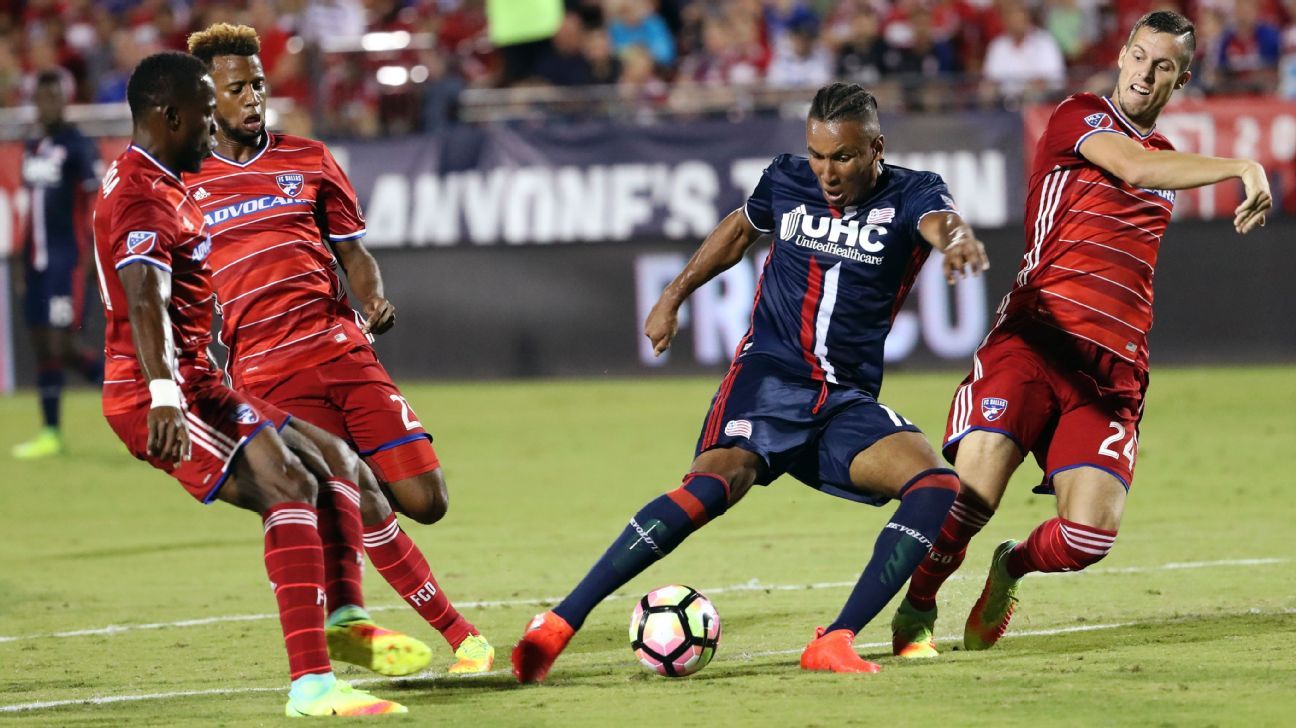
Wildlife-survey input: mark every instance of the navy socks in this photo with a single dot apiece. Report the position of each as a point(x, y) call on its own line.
point(652, 533)
point(901, 546)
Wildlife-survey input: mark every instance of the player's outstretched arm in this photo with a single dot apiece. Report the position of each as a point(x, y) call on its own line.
point(950, 234)
point(721, 250)
point(148, 292)
point(1166, 170)
point(366, 283)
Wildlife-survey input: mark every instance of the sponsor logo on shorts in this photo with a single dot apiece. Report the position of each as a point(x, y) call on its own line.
point(140, 241)
point(245, 415)
point(992, 408)
point(291, 183)
point(738, 428)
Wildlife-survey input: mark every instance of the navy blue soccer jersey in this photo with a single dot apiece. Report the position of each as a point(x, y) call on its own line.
point(835, 278)
point(59, 170)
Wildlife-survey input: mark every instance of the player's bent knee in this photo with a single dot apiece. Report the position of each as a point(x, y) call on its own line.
point(423, 498)
point(738, 468)
point(286, 480)
point(933, 478)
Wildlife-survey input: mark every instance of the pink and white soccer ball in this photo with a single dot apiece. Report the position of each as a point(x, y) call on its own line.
point(674, 630)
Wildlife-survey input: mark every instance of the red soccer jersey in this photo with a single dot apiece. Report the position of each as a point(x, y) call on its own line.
point(281, 301)
point(147, 218)
point(1091, 238)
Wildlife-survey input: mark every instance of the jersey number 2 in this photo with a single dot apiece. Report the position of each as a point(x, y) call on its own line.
point(1117, 435)
point(407, 415)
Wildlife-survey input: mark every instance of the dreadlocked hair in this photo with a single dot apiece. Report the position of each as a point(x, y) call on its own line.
point(224, 39)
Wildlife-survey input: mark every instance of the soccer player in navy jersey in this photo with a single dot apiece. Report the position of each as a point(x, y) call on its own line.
point(61, 173)
point(850, 234)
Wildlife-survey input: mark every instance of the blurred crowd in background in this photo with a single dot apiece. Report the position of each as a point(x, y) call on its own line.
point(369, 67)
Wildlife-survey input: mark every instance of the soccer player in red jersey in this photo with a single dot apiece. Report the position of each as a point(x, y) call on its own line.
point(1063, 372)
point(162, 396)
point(283, 216)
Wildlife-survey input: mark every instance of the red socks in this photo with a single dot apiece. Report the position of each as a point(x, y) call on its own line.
point(1060, 545)
point(401, 563)
point(966, 519)
point(294, 562)
point(342, 533)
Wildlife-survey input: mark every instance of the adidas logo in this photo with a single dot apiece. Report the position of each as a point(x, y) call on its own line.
point(202, 194)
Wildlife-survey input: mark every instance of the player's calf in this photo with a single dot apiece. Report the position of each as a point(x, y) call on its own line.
point(901, 546)
point(1060, 545)
point(654, 531)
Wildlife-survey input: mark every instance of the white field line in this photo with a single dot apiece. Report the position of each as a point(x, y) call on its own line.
point(753, 585)
point(437, 676)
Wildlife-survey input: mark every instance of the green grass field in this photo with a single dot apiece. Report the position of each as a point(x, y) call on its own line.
point(1191, 621)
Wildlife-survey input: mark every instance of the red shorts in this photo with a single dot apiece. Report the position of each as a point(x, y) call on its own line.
point(1070, 403)
point(220, 422)
point(353, 398)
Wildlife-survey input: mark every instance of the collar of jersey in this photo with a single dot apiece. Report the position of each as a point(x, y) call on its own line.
point(264, 146)
point(150, 158)
point(1127, 123)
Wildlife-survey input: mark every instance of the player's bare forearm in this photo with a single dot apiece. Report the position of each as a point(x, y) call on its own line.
point(1167, 170)
point(148, 293)
point(720, 251)
point(1158, 170)
point(949, 233)
point(366, 283)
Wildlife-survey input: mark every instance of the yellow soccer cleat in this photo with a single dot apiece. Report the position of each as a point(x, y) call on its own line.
point(475, 655)
point(992, 612)
point(340, 699)
point(913, 632)
point(47, 443)
point(384, 651)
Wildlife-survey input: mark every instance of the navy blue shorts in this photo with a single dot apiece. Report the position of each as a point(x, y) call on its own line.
point(798, 427)
point(51, 299)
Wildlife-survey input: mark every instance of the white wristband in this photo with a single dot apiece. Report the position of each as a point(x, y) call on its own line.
point(166, 393)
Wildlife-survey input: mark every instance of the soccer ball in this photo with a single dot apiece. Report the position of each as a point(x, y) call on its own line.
point(674, 631)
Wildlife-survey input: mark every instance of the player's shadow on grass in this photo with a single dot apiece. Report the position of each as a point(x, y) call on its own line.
point(442, 684)
point(145, 549)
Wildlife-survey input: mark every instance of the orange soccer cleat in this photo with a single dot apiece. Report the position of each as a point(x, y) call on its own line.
point(835, 652)
point(545, 638)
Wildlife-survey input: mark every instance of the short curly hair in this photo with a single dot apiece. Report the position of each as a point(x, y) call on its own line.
point(224, 39)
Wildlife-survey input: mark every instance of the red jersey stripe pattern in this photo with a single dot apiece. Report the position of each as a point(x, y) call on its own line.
point(1091, 238)
point(273, 220)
